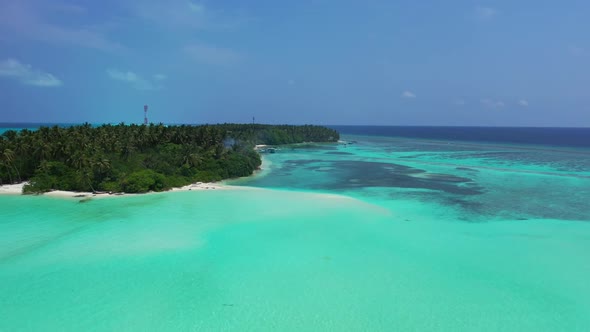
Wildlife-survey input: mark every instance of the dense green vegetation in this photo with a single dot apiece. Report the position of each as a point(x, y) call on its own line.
point(138, 158)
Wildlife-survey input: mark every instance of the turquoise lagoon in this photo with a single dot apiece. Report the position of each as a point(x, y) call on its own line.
point(387, 234)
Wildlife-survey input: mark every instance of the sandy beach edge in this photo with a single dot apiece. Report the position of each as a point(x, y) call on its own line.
point(17, 189)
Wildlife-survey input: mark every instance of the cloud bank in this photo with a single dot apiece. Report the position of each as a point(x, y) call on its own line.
point(492, 104)
point(27, 75)
point(486, 13)
point(136, 81)
point(31, 20)
point(408, 95)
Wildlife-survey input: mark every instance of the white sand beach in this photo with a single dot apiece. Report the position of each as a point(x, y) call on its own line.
point(12, 189)
point(17, 189)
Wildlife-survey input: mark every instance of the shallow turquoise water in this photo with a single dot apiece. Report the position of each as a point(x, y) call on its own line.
point(364, 241)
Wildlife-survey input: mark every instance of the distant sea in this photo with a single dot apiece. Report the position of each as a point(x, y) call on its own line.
point(572, 137)
point(4, 126)
point(391, 229)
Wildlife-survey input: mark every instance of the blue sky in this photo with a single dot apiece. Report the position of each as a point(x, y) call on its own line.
point(494, 63)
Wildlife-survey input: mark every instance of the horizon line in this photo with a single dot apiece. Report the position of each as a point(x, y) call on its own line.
point(299, 124)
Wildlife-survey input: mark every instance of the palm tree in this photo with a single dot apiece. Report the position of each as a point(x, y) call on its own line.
point(8, 157)
point(8, 171)
point(102, 165)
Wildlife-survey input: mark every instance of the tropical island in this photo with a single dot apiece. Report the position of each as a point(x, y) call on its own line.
point(140, 158)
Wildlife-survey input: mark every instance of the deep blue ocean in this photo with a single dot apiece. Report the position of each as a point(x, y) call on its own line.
point(563, 137)
point(566, 137)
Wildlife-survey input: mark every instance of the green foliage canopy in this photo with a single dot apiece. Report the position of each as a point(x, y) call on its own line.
point(140, 158)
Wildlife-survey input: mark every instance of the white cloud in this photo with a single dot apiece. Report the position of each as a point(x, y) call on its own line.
point(408, 94)
point(136, 81)
point(173, 13)
point(212, 55)
point(523, 103)
point(493, 104)
point(196, 7)
point(122, 76)
point(160, 77)
point(577, 50)
point(25, 74)
point(460, 102)
point(486, 13)
point(28, 19)
point(183, 14)
point(291, 82)
point(69, 8)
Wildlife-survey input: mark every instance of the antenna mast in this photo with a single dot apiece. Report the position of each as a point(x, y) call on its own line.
point(145, 119)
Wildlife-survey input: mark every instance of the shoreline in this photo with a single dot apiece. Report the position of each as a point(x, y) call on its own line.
point(17, 189)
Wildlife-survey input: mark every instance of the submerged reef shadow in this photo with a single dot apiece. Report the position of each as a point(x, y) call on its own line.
point(348, 174)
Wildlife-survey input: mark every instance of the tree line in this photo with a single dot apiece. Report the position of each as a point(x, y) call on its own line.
point(140, 158)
